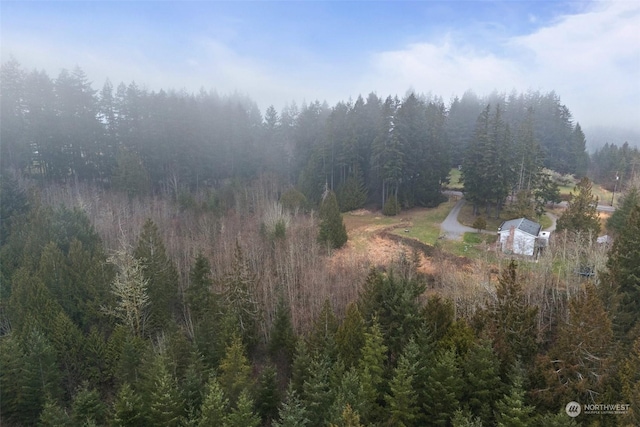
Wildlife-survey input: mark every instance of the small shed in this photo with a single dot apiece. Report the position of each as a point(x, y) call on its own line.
point(520, 236)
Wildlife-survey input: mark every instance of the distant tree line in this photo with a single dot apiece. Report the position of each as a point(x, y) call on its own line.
point(394, 152)
point(615, 166)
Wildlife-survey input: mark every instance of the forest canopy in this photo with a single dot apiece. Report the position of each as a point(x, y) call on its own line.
point(180, 259)
point(139, 141)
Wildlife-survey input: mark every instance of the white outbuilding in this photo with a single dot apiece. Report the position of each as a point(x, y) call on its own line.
point(522, 236)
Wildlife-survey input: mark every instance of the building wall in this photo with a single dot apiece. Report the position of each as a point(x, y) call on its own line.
point(521, 244)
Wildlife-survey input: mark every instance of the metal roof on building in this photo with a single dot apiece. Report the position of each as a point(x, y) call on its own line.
point(523, 224)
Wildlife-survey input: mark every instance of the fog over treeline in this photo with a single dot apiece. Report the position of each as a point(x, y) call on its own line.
point(60, 128)
point(176, 259)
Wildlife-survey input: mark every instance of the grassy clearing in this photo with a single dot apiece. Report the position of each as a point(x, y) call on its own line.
point(473, 245)
point(454, 180)
point(466, 217)
point(604, 196)
point(424, 225)
point(420, 223)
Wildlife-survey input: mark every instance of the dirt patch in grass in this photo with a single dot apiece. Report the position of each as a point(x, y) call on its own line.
point(380, 238)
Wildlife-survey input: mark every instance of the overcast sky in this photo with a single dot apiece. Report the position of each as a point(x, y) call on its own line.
point(277, 52)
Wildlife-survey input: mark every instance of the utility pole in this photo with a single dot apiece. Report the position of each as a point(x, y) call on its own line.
point(615, 186)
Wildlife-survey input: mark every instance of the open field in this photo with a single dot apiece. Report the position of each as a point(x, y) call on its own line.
point(604, 196)
point(424, 225)
point(382, 238)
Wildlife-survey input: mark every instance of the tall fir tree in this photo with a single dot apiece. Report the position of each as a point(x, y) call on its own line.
point(240, 301)
point(165, 403)
point(267, 395)
point(578, 365)
point(483, 385)
point(242, 414)
point(282, 340)
point(443, 389)
point(319, 391)
point(402, 402)
point(350, 336)
point(292, 412)
point(512, 410)
point(371, 368)
point(511, 321)
point(215, 405)
point(617, 222)
point(581, 215)
point(623, 279)
point(332, 229)
point(161, 274)
point(235, 371)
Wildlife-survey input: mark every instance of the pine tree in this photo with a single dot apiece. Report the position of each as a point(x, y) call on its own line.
point(161, 276)
point(352, 194)
point(350, 394)
point(511, 410)
point(617, 222)
point(483, 386)
point(630, 383)
point(623, 276)
point(13, 205)
point(301, 368)
point(444, 388)
point(235, 371)
point(371, 369)
point(439, 314)
point(322, 338)
point(192, 385)
point(204, 311)
point(332, 229)
point(460, 419)
point(388, 156)
point(87, 407)
point(128, 408)
point(239, 298)
point(512, 321)
point(319, 392)
point(350, 336)
point(242, 414)
point(577, 366)
point(349, 418)
point(215, 405)
point(53, 415)
point(292, 413)
point(166, 405)
point(130, 175)
point(581, 215)
point(37, 379)
point(402, 400)
point(394, 301)
point(267, 395)
point(282, 343)
point(11, 376)
point(579, 156)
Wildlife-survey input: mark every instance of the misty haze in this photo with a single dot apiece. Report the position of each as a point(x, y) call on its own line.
point(320, 213)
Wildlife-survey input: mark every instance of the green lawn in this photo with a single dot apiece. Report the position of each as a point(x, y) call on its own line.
point(425, 226)
point(604, 196)
point(473, 245)
point(454, 180)
point(466, 217)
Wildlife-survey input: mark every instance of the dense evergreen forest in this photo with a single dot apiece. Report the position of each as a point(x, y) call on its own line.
point(171, 259)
